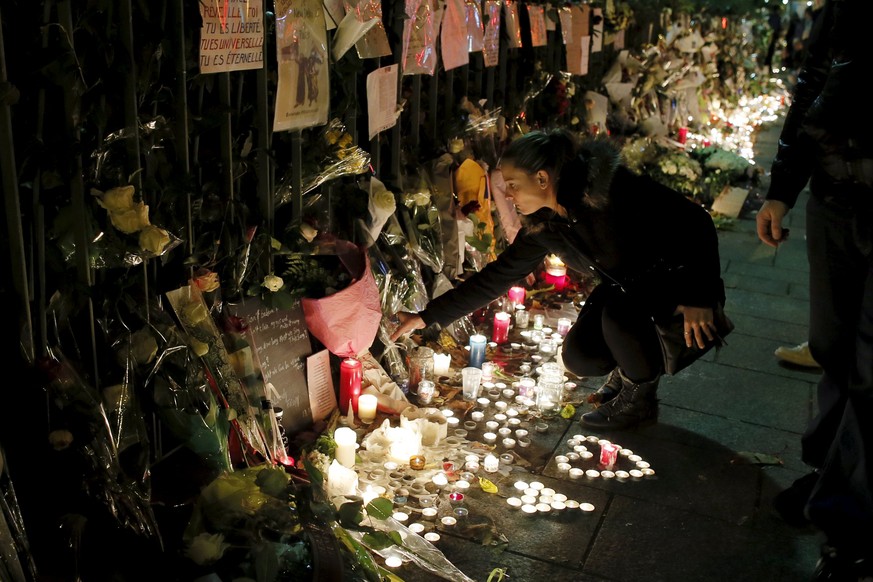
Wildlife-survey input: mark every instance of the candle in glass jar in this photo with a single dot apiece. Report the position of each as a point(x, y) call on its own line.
point(491, 463)
point(538, 321)
point(522, 317)
point(367, 408)
point(500, 335)
point(608, 454)
point(564, 326)
point(477, 350)
point(516, 295)
point(345, 446)
point(350, 384)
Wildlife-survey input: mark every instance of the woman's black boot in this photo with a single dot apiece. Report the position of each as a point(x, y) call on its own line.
point(609, 390)
point(635, 404)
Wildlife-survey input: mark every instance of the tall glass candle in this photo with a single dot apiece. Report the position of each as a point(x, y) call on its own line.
point(516, 295)
point(500, 335)
point(345, 446)
point(522, 317)
point(477, 350)
point(564, 326)
point(350, 384)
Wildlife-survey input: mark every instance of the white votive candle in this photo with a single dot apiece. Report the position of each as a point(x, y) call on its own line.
point(345, 446)
point(367, 408)
point(491, 463)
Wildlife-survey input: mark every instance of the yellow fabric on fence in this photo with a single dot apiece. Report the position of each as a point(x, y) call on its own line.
point(471, 185)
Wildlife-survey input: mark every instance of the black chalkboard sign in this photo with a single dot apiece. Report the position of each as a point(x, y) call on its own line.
point(282, 345)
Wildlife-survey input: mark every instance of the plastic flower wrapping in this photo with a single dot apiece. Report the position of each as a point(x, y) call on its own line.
point(392, 290)
point(16, 561)
point(404, 264)
point(330, 155)
point(421, 219)
point(83, 427)
point(206, 342)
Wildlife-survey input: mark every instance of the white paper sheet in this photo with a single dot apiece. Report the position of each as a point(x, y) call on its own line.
point(382, 99)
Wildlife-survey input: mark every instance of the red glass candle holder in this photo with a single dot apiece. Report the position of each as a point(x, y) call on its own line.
point(500, 334)
point(350, 384)
point(608, 455)
point(517, 295)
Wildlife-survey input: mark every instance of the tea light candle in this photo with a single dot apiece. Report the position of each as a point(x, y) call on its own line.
point(345, 446)
point(442, 364)
point(491, 463)
point(513, 501)
point(469, 425)
point(483, 402)
point(367, 408)
point(500, 334)
point(440, 479)
point(516, 295)
point(416, 462)
point(477, 415)
point(416, 527)
point(508, 393)
point(529, 508)
point(400, 516)
point(489, 437)
point(564, 326)
point(477, 350)
point(393, 561)
point(432, 536)
point(492, 425)
point(520, 485)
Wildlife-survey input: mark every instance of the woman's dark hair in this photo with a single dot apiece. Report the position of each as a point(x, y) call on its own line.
point(539, 150)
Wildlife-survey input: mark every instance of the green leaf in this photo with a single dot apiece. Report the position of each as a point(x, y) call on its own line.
point(380, 508)
point(378, 540)
point(350, 514)
point(315, 476)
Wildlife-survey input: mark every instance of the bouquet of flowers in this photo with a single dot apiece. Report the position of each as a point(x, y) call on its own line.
point(331, 155)
point(422, 221)
point(679, 171)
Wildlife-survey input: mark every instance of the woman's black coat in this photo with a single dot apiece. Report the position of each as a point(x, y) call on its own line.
point(661, 247)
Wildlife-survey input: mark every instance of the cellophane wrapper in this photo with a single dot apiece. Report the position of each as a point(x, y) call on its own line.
point(404, 264)
point(421, 220)
point(420, 38)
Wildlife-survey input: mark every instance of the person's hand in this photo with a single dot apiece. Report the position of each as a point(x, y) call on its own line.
point(769, 222)
point(408, 322)
point(699, 325)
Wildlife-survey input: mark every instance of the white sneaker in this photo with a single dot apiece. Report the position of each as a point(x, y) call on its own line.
point(798, 355)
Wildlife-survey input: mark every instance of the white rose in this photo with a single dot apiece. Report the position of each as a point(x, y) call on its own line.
point(153, 239)
point(421, 198)
point(383, 199)
point(132, 220)
point(117, 199)
point(273, 282)
point(206, 548)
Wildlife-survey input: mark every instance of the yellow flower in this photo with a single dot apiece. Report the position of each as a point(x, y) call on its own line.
point(456, 146)
point(206, 548)
point(207, 282)
point(60, 439)
point(332, 136)
point(273, 282)
point(153, 239)
point(132, 220)
point(117, 199)
point(345, 140)
point(307, 232)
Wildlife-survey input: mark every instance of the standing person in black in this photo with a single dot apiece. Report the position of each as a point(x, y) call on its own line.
point(827, 143)
point(655, 250)
point(774, 22)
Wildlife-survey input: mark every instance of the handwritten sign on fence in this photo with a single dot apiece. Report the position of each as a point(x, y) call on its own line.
point(281, 345)
point(232, 36)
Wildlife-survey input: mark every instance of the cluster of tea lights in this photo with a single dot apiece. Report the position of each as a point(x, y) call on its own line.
point(535, 497)
point(608, 461)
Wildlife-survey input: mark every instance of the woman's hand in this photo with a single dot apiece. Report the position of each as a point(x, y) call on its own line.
point(699, 325)
point(408, 322)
